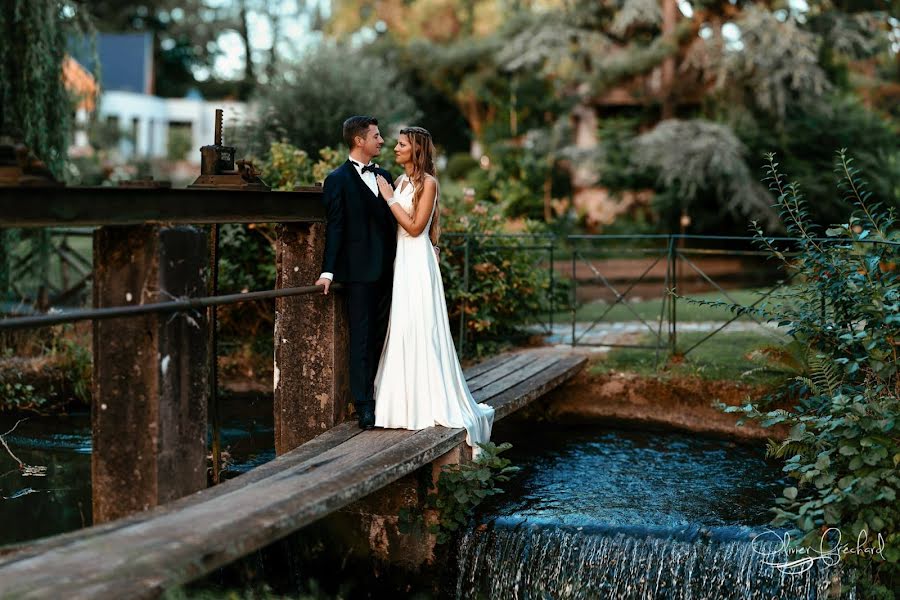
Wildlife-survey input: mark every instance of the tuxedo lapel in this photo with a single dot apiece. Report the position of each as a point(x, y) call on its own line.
point(362, 184)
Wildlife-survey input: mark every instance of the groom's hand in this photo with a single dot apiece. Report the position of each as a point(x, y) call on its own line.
point(324, 281)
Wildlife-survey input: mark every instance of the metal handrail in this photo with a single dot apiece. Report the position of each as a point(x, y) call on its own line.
point(173, 306)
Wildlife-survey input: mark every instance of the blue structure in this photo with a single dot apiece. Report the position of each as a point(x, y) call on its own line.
point(126, 61)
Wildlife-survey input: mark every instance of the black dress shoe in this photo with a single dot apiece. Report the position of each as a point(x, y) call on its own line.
point(367, 419)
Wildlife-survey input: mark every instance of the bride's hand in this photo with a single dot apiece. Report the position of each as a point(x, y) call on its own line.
point(387, 192)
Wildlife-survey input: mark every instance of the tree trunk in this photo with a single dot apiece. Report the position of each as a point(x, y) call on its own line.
point(670, 16)
point(244, 32)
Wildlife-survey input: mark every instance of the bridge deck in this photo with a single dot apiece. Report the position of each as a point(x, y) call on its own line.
point(144, 554)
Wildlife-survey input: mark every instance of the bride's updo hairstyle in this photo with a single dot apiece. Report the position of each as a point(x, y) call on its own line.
point(422, 165)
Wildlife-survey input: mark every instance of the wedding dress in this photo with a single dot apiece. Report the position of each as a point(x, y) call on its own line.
point(419, 382)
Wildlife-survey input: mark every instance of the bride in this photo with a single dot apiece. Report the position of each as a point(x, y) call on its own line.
point(419, 382)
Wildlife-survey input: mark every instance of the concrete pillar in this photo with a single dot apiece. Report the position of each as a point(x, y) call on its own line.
point(311, 333)
point(374, 521)
point(150, 377)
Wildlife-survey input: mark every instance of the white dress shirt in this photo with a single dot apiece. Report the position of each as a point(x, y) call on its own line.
point(369, 179)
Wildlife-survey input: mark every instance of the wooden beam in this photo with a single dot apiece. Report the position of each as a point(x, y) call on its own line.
point(51, 206)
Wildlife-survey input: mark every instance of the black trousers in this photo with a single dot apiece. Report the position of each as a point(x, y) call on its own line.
point(369, 307)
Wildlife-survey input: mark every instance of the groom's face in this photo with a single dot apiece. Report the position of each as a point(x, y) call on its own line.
point(373, 141)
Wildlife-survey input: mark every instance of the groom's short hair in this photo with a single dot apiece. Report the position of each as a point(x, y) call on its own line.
point(357, 126)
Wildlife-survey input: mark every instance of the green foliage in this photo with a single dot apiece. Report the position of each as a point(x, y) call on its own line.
point(76, 360)
point(63, 360)
point(462, 487)
point(36, 107)
point(17, 395)
point(180, 142)
point(508, 279)
point(844, 446)
point(460, 165)
point(702, 162)
point(740, 357)
point(309, 104)
point(287, 167)
point(805, 150)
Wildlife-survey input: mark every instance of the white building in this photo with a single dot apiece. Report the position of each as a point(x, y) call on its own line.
point(150, 120)
point(146, 121)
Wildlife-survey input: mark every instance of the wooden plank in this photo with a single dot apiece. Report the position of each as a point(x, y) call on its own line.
point(518, 376)
point(318, 445)
point(142, 557)
point(486, 365)
point(489, 377)
point(527, 391)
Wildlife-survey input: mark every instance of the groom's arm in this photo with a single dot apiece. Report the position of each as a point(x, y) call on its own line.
point(334, 228)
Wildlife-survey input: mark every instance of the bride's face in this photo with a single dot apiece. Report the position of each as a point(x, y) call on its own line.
point(403, 150)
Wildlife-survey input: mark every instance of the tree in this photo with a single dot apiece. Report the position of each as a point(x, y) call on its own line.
point(187, 36)
point(308, 104)
point(37, 109)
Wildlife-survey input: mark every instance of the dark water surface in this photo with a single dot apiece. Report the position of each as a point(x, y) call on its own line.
point(589, 476)
point(60, 499)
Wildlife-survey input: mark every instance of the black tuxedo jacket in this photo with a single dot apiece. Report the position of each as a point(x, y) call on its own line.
point(361, 232)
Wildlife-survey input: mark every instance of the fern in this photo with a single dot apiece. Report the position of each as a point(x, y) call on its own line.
point(824, 376)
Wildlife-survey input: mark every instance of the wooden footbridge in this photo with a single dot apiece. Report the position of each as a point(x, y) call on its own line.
point(144, 554)
point(158, 525)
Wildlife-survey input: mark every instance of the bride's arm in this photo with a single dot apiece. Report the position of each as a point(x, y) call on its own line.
point(415, 224)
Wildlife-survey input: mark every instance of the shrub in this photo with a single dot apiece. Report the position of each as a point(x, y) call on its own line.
point(309, 103)
point(461, 488)
point(179, 143)
point(460, 165)
point(843, 447)
point(508, 278)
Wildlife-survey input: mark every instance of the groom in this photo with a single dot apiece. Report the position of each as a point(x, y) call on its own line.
point(360, 242)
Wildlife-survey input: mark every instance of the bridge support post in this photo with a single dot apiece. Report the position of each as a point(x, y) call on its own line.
point(311, 333)
point(150, 378)
point(369, 534)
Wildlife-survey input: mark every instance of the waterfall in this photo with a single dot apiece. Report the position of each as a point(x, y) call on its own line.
point(516, 558)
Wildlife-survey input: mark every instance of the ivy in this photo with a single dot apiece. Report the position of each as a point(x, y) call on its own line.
point(37, 108)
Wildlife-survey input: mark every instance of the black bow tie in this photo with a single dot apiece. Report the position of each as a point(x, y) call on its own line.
point(369, 167)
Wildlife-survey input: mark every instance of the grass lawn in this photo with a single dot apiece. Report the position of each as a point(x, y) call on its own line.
point(649, 309)
point(724, 356)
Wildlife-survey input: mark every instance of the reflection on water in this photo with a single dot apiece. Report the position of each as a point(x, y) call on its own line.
point(60, 501)
point(592, 475)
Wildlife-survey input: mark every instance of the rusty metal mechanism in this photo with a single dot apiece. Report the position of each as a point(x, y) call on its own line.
point(149, 183)
point(217, 167)
point(19, 167)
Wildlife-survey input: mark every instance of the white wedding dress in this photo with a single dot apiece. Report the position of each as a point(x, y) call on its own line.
point(419, 382)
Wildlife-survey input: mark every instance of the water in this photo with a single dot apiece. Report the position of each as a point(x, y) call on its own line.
point(57, 497)
point(595, 512)
point(54, 495)
point(621, 514)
